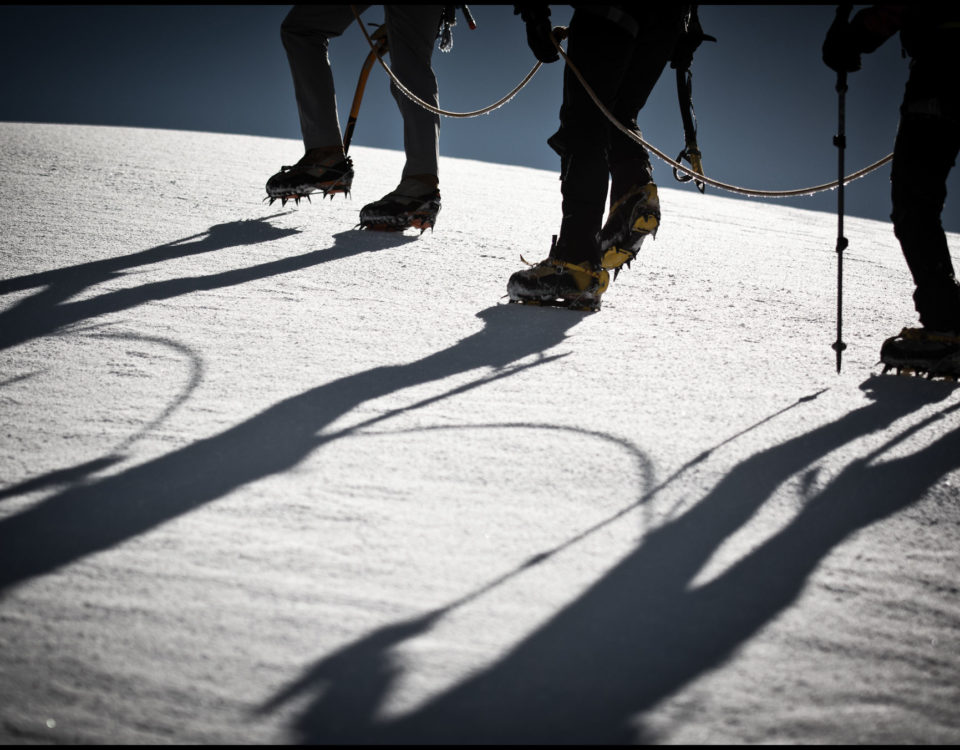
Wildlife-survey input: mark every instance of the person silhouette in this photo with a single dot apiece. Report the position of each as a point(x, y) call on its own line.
point(620, 50)
point(926, 146)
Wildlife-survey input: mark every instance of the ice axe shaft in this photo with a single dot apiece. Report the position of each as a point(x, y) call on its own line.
point(379, 51)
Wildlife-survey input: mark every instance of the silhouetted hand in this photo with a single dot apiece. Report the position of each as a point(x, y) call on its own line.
point(840, 50)
point(540, 40)
point(539, 31)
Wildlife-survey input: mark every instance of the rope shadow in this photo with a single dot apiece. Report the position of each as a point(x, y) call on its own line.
point(82, 520)
point(81, 472)
point(48, 311)
point(644, 468)
point(642, 632)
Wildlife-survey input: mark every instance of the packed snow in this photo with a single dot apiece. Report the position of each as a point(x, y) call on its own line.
point(268, 478)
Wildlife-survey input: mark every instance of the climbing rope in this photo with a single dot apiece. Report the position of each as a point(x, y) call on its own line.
point(632, 134)
point(429, 107)
point(716, 183)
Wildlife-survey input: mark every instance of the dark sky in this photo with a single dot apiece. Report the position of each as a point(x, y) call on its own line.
point(766, 105)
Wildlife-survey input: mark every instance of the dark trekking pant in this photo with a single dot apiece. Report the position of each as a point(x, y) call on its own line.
point(621, 56)
point(411, 34)
point(926, 147)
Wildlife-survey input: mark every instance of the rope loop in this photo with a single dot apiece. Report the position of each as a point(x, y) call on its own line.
point(429, 107)
point(699, 178)
point(682, 173)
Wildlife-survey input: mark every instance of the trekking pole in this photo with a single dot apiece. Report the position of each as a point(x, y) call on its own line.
point(379, 51)
point(839, 140)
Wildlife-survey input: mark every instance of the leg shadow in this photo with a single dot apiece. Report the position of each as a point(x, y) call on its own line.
point(83, 520)
point(642, 632)
point(218, 237)
point(49, 310)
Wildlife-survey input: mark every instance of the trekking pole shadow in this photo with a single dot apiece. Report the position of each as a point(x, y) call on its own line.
point(643, 631)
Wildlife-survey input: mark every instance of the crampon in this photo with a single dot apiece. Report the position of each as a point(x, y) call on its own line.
point(923, 353)
point(327, 175)
point(399, 210)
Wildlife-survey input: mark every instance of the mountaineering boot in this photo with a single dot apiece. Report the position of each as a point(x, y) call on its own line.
point(318, 170)
point(559, 282)
point(414, 203)
point(924, 352)
point(631, 219)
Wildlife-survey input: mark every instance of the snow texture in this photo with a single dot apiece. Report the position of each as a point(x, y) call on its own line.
point(266, 478)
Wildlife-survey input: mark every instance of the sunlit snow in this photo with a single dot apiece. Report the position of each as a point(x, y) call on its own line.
point(267, 478)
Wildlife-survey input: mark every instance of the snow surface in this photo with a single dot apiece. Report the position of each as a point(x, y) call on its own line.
point(265, 478)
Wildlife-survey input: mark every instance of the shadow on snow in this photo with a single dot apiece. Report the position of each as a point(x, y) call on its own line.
point(49, 310)
point(636, 636)
point(642, 632)
point(81, 520)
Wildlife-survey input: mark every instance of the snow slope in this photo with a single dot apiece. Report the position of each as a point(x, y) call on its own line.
point(267, 479)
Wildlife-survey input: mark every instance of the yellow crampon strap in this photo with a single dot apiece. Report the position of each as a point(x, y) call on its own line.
point(602, 276)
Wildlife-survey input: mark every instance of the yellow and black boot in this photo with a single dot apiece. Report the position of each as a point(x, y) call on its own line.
point(578, 286)
point(632, 218)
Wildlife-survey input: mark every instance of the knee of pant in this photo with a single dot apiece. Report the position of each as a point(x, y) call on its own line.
point(637, 171)
point(569, 140)
point(909, 218)
point(428, 95)
point(584, 153)
point(583, 170)
point(623, 150)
